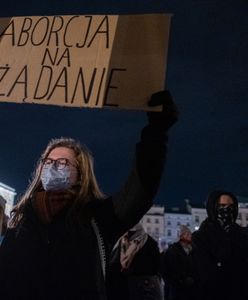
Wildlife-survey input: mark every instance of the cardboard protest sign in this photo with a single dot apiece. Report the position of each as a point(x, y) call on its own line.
point(83, 61)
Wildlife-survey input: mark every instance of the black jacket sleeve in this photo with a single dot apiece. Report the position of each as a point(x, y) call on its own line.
point(136, 197)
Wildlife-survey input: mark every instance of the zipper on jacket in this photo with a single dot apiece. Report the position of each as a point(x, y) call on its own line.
point(101, 246)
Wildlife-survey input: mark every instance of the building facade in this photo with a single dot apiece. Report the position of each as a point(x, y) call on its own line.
point(199, 214)
point(242, 219)
point(7, 199)
point(153, 222)
point(8, 195)
point(164, 224)
point(174, 218)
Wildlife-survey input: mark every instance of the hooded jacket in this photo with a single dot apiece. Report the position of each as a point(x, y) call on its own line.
point(221, 257)
point(212, 202)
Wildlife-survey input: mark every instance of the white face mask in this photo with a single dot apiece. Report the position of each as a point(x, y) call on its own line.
point(53, 179)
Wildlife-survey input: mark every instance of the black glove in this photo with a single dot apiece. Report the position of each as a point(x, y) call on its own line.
point(169, 114)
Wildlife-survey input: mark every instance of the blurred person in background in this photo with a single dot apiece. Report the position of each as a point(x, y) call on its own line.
point(134, 267)
point(177, 268)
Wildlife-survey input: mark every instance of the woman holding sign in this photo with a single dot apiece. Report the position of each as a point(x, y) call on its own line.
point(63, 228)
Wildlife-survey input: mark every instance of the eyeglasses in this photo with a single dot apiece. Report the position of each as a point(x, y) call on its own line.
point(59, 163)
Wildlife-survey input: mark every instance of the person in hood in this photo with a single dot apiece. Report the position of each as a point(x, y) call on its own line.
point(63, 228)
point(221, 250)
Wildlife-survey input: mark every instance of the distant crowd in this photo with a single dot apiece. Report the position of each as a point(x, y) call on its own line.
point(209, 264)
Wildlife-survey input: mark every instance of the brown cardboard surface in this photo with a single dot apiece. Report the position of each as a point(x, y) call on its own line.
point(83, 61)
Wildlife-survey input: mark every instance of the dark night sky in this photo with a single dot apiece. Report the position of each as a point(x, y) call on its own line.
point(208, 77)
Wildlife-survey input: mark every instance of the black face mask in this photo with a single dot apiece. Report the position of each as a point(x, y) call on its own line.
point(225, 216)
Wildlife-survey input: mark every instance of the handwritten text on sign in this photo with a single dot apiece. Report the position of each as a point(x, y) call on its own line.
point(88, 61)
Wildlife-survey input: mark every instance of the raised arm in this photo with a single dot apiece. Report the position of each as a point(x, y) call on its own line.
point(136, 197)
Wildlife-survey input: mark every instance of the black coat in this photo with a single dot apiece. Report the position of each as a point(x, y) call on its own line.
point(141, 281)
point(221, 257)
point(177, 269)
point(57, 262)
point(221, 260)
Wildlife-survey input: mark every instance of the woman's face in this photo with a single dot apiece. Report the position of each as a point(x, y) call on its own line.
point(64, 156)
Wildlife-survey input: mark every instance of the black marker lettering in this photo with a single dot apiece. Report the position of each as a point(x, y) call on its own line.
point(109, 86)
point(100, 86)
point(86, 96)
point(105, 31)
point(24, 34)
point(24, 72)
point(11, 25)
point(47, 77)
point(54, 31)
point(48, 55)
point(66, 28)
point(87, 33)
point(41, 32)
point(64, 84)
point(65, 55)
point(5, 71)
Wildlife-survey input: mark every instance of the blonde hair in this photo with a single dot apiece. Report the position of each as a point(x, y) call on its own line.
point(88, 186)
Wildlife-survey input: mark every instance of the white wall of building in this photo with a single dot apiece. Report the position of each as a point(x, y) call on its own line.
point(198, 216)
point(153, 222)
point(242, 219)
point(173, 221)
point(8, 194)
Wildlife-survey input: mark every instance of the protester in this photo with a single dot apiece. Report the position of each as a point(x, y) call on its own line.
point(134, 267)
point(177, 268)
point(62, 229)
point(221, 250)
